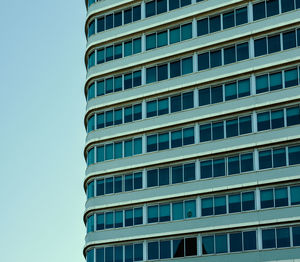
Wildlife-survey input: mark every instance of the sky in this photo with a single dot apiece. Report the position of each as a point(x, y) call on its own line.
point(42, 134)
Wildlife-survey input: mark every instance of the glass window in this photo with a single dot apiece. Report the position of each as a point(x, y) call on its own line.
point(230, 91)
point(249, 240)
point(268, 238)
point(109, 187)
point(128, 48)
point(163, 106)
point(118, 184)
point(174, 35)
point(277, 119)
point(91, 157)
point(152, 214)
point(219, 167)
point(215, 24)
point(228, 20)
point(186, 32)
point(189, 172)
point(272, 7)
point(173, 4)
point(118, 19)
point(90, 190)
point(190, 208)
point(150, 8)
point(162, 38)
point(187, 65)
point(100, 187)
point(137, 146)
point(128, 217)
point(99, 255)
point(295, 195)
point(218, 130)
point(161, 6)
point(100, 88)
point(91, 29)
point(291, 78)
point(118, 254)
point(128, 117)
point(265, 159)
point(234, 203)
point(185, 2)
point(221, 243)
point(100, 154)
point(138, 216)
point(260, 46)
point(191, 246)
point(175, 69)
point(137, 78)
point(275, 81)
point(138, 252)
point(164, 176)
point(109, 22)
point(176, 138)
point(176, 103)
point(233, 165)
point(274, 44)
point(100, 24)
point(215, 58)
point(152, 178)
point(259, 11)
point(216, 94)
point(165, 249)
point(151, 143)
point(118, 83)
point(109, 53)
point(100, 221)
point(263, 121)
point(178, 248)
point(203, 61)
point(235, 242)
point(220, 205)
point(90, 256)
point(136, 13)
point(109, 85)
point(206, 169)
point(202, 27)
point(248, 202)
point(127, 16)
point(262, 84)
point(188, 136)
point(266, 198)
point(242, 51)
point(109, 220)
point(90, 224)
point(91, 124)
point(137, 45)
point(245, 125)
point(229, 55)
point(164, 213)
point(128, 81)
point(208, 245)
point(128, 148)
point(117, 51)
point(204, 96)
point(138, 180)
point(137, 112)
point(287, 5)
point(177, 174)
point(205, 132)
point(91, 91)
point(281, 197)
point(243, 88)
point(118, 150)
point(177, 211)
point(129, 253)
point(279, 157)
point(241, 16)
point(293, 116)
point(289, 40)
point(246, 162)
point(151, 41)
point(207, 207)
point(163, 141)
point(152, 250)
point(152, 108)
point(91, 60)
point(162, 72)
point(294, 155)
point(151, 75)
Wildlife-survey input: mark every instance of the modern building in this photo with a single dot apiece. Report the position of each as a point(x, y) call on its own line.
point(193, 130)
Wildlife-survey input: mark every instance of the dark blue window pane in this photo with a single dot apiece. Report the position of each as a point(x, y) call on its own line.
point(272, 7)
point(118, 83)
point(275, 81)
point(128, 48)
point(150, 8)
point(219, 167)
point(128, 218)
point(91, 91)
point(138, 216)
point(138, 252)
point(90, 256)
point(100, 255)
point(136, 13)
point(249, 240)
point(265, 159)
point(248, 202)
point(245, 125)
point(137, 112)
point(161, 6)
point(118, 254)
point(230, 91)
point(175, 69)
point(283, 237)
point(186, 32)
point(137, 78)
point(118, 150)
point(206, 169)
point(294, 155)
point(246, 162)
point(118, 19)
point(296, 236)
point(259, 11)
point(137, 45)
point(151, 143)
point(204, 96)
point(91, 124)
point(295, 195)
point(152, 178)
point(203, 61)
point(260, 46)
point(177, 211)
point(233, 165)
point(162, 38)
point(229, 55)
point(151, 108)
point(163, 106)
point(242, 51)
point(109, 22)
point(279, 157)
point(152, 214)
point(128, 117)
point(100, 25)
point(234, 203)
point(262, 84)
point(185, 2)
point(187, 65)
point(293, 116)
point(109, 118)
point(91, 157)
point(118, 184)
point(228, 20)
point(165, 249)
point(129, 253)
point(274, 44)
point(176, 139)
point(189, 172)
point(90, 224)
point(109, 254)
point(268, 238)
point(217, 130)
point(216, 94)
point(109, 53)
point(151, 75)
point(90, 190)
point(164, 213)
point(291, 78)
point(151, 41)
point(128, 81)
point(244, 88)
point(128, 182)
point(100, 187)
point(289, 40)
point(263, 121)
point(100, 221)
point(241, 16)
point(205, 132)
point(287, 5)
point(207, 206)
point(177, 174)
point(162, 72)
point(188, 136)
point(91, 60)
point(190, 208)
point(138, 180)
point(215, 24)
point(118, 51)
point(109, 187)
point(202, 27)
point(164, 176)
point(118, 117)
point(266, 198)
point(173, 4)
point(109, 221)
point(221, 243)
point(100, 154)
point(215, 58)
point(178, 248)
point(91, 30)
point(163, 141)
point(235, 242)
point(208, 246)
point(281, 197)
point(220, 205)
point(100, 88)
point(128, 16)
point(277, 119)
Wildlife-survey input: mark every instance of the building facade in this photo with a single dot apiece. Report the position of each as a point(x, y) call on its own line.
point(193, 130)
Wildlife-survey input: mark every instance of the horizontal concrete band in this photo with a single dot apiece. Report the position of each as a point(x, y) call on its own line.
point(195, 44)
point(197, 78)
point(198, 225)
point(195, 114)
point(193, 188)
point(150, 22)
point(196, 150)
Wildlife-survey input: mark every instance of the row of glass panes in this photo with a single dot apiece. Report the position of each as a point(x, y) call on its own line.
point(211, 95)
point(115, 19)
point(185, 246)
point(187, 209)
point(209, 168)
point(115, 117)
point(115, 51)
point(186, 136)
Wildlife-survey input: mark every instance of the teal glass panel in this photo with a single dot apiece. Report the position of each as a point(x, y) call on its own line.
point(100, 88)
point(241, 16)
point(174, 35)
point(128, 148)
point(177, 211)
point(187, 65)
point(118, 84)
point(152, 214)
point(129, 217)
point(137, 45)
point(248, 201)
point(162, 39)
point(164, 213)
point(275, 81)
point(244, 88)
point(163, 106)
point(294, 155)
point(91, 157)
point(118, 150)
point(91, 91)
point(137, 78)
point(128, 48)
point(91, 60)
point(163, 141)
point(151, 75)
point(234, 203)
point(290, 77)
point(91, 29)
point(230, 91)
point(186, 32)
point(91, 124)
point(221, 243)
point(188, 136)
point(137, 146)
point(208, 245)
point(295, 195)
point(91, 190)
point(90, 224)
point(190, 209)
point(90, 256)
point(177, 174)
point(99, 255)
point(151, 41)
point(189, 172)
point(109, 85)
point(100, 56)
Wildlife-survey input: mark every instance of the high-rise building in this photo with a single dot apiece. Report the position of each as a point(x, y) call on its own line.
point(193, 130)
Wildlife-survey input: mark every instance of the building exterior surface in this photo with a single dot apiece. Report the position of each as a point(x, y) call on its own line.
point(193, 130)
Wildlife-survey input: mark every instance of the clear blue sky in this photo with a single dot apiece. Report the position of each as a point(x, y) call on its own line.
point(42, 133)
